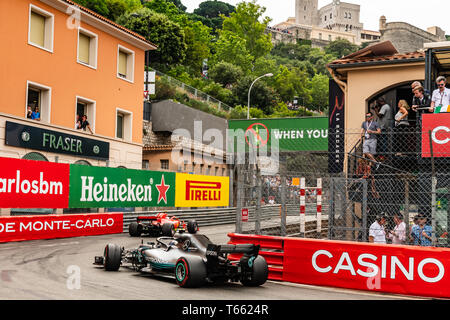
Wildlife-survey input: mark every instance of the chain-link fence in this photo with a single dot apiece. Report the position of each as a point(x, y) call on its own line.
point(405, 178)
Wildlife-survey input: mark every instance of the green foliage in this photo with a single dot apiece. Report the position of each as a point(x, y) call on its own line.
point(245, 24)
point(225, 73)
point(98, 6)
point(262, 96)
point(178, 4)
point(209, 13)
point(157, 28)
point(240, 112)
point(290, 83)
point(340, 48)
point(319, 92)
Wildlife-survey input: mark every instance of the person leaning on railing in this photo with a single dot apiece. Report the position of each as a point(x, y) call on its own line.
point(401, 127)
point(421, 100)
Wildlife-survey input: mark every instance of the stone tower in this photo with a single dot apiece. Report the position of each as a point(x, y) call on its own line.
point(306, 12)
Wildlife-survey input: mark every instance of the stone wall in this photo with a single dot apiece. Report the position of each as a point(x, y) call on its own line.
point(406, 37)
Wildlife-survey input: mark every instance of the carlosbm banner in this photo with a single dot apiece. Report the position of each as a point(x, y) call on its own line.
point(103, 187)
point(439, 127)
point(405, 270)
point(22, 228)
point(33, 184)
point(201, 191)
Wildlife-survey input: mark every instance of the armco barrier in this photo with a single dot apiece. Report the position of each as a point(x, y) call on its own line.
point(272, 249)
point(406, 270)
point(22, 228)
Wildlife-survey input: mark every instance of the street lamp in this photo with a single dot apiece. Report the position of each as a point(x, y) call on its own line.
point(249, 90)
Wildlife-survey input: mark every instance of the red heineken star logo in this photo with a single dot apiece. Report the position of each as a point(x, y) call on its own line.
point(162, 190)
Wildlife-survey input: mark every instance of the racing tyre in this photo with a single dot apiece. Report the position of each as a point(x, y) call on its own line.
point(190, 272)
point(168, 230)
point(135, 229)
point(113, 257)
point(259, 273)
point(192, 226)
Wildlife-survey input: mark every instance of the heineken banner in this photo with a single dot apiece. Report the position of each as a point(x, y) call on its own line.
point(102, 187)
point(286, 134)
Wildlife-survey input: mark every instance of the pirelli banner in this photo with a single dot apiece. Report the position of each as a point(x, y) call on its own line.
point(201, 191)
point(39, 184)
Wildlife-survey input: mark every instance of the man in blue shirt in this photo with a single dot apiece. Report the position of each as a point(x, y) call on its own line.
point(422, 233)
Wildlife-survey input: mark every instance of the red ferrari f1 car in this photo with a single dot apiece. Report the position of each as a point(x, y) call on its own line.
point(158, 225)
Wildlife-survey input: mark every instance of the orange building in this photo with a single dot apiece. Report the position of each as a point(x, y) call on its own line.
point(63, 60)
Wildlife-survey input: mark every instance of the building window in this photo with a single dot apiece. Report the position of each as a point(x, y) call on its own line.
point(320, 36)
point(85, 107)
point(216, 171)
point(330, 38)
point(223, 171)
point(325, 18)
point(145, 164)
point(87, 48)
point(164, 164)
point(124, 121)
point(38, 102)
point(41, 25)
point(125, 64)
point(208, 170)
point(201, 168)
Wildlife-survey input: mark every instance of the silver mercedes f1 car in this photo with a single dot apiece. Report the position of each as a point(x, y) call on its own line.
point(192, 259)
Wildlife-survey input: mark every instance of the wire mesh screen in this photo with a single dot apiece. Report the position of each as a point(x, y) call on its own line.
point(402, 186)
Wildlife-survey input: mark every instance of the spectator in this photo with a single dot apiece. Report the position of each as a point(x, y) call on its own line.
point(421, 100)
point(364, 170)
point(424, 232)
point(377, 233)
point(401, 127)
point(398, 235)
point(36, 115)
point(413, 233)
point(29, 112)
point(85, 124)
point(385, 121)
point(77, 122)
point(369, 131)
point(440, 96)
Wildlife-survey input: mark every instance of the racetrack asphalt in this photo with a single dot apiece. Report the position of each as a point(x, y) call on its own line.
point(48, 270)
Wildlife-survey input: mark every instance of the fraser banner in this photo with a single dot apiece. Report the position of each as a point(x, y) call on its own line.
point(40, 184)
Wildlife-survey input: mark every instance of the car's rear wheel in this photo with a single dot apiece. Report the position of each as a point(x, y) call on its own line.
point(135, 229)
point(113, 257)
point(259, 272)
point(168, 230)
point(190, 272)
point(192, 226)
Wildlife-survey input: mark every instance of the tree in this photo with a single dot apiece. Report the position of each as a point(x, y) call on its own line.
point(340, 48)
point(244, 24)
point(118, 7)
point(214, 9)
point(178, 4)
point(262, 96)
point(319, 92)
point(98, 6)
point(291, 83)
point(225, 73)
point(232, 48)
point(157, 28)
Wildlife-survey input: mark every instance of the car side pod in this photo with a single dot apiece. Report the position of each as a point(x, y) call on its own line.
point(190, 272)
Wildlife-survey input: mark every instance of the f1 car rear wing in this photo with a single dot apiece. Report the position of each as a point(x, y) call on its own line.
point(248, 249)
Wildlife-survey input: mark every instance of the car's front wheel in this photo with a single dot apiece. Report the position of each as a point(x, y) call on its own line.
point(190, 272)
point(113, 257)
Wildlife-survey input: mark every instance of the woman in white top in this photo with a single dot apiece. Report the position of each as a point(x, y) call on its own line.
point(401, 140)
point(401, 118)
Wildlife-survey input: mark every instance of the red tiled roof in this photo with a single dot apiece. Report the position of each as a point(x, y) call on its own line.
point(167, 147)
point(394, 57)
point(118, 26)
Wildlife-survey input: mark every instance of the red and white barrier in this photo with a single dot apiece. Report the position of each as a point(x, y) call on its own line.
point(22, 228)
point(406, 270)
point(303, 189)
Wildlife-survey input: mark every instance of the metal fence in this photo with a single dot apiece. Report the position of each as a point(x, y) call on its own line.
point(195, 93)
point(405, 179)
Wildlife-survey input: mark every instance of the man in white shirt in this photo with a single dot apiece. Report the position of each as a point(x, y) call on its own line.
point(398, 235)
point(441, 96)
point(377, 234)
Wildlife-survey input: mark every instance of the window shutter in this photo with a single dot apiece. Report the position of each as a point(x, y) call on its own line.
point(37, 29)
point(83, 48)
point(123, 57)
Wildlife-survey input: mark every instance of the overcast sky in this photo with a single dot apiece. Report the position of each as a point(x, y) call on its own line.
point(420, 13)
